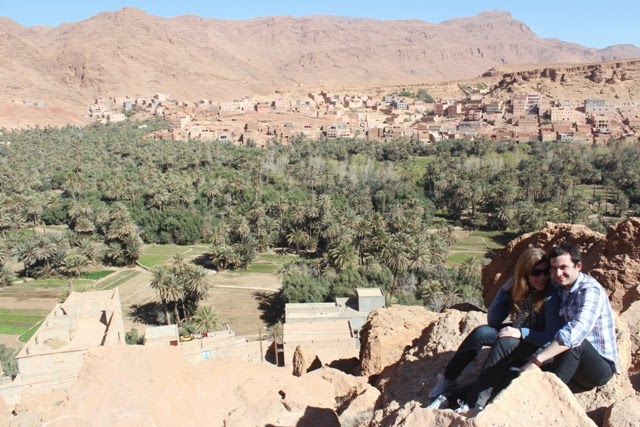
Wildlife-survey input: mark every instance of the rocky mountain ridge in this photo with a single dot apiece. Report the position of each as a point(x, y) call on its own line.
point(132, 53)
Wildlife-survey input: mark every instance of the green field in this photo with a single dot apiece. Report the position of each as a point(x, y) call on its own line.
point(19, 321)
point(54, 283)
point(481, 244)
point(118, 279)
point(96, 275)
point(154, 255)
point(26, 336)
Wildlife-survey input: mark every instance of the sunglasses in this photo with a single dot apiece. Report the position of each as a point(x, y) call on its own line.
point(539, 272)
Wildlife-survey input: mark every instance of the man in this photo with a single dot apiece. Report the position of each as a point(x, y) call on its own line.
point(584, 350)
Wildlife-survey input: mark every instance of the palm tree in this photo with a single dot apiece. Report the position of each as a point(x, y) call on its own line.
point(196, 282)
point(205, 319)
point(74, 264)
point(470, 269)
point(395, 258)
point(6, 276)
point(437, 249)
point(343, 256)
point(298, 238)
point(167, 289)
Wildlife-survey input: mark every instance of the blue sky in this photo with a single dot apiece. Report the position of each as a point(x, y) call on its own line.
point(587, 22)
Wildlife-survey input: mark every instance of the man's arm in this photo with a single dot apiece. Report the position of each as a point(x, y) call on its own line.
point(592, 300)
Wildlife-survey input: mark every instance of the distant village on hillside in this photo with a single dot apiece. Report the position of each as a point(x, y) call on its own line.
point(523, 117)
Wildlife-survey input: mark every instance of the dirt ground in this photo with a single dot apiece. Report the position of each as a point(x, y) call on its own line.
point(11, 341)
point(244, 300)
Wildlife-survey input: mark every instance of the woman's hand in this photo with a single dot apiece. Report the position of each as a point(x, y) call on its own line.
point(509, 332)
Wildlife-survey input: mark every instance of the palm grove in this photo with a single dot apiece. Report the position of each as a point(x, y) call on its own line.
point(358, 213)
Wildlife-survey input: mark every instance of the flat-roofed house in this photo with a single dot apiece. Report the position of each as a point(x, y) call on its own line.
point(53, 356)
point(330, 330)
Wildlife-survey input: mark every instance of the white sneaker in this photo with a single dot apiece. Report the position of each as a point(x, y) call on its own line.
point(443, 386)
point(440, 402)
point(463, 408)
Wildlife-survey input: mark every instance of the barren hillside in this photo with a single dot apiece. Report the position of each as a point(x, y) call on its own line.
point(129, 52)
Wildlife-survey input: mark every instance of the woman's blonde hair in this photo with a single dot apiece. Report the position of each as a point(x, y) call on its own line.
point(527, 261)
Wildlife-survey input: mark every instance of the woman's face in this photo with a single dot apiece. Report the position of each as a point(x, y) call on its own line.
point(539, 276)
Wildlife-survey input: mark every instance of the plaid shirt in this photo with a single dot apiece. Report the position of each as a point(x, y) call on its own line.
point(586, 309)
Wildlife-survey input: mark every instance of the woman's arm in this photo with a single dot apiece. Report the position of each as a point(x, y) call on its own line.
point(501, 305)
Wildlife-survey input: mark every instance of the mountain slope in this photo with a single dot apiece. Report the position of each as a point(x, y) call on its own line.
point(129, 52)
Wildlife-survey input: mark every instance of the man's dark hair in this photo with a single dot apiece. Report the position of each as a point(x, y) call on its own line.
point(566, 248)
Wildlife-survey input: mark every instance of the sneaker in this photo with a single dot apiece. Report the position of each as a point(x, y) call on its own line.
point(440, 402)
point(443, 386)
point(463, 408)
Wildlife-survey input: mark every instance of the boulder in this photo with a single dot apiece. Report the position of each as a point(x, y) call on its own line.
point(618, 263)
point(417, 370)
point(358, 405)
point(625, 413)
point(304, 361)
point(534, 399)
point(342, 383)
point(387, 333)
point(355, 397)
point(632, 318)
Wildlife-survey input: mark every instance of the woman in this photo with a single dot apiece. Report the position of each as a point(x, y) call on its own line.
point(533, 306)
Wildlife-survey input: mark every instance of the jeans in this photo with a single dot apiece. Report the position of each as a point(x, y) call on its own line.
point(502, 366)
point(583, 366)
point(495, 375)
point(481, 336)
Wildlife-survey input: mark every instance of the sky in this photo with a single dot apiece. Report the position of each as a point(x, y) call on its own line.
point(590, 23)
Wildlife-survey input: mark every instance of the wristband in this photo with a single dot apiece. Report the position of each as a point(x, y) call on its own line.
point(536, 362)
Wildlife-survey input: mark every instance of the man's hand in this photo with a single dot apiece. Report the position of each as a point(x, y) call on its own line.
point(529, 367)
point(509, 332)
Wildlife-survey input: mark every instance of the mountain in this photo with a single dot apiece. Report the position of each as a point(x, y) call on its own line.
point(132, 53)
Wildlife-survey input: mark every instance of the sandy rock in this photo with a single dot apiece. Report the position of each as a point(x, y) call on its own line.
point(387, 333)
point(632, 318)
point(304, 361)
point(618, 265)
point(155, 386)
point(358, 404)
point(625, 413)
point(500, 268)
point(416, 372)
point(342, 383)
point(535, 398)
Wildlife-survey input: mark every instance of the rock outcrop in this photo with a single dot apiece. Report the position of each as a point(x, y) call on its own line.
point(387, 333)
point(632, 318)
point(625, 413)
point(304, 361)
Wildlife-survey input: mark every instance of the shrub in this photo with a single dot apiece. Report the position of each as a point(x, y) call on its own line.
point(134, 338)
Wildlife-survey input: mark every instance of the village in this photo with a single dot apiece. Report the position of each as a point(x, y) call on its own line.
point(525, 116)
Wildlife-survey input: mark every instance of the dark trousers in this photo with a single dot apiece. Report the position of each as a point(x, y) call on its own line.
point(583, 366)
point(499, 369)
point(481, 336)
point(502, 366)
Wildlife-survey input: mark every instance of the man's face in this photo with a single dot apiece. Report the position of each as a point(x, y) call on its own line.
point(563, 271)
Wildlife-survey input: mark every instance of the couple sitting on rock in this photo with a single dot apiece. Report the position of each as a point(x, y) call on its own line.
point(564, 326)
